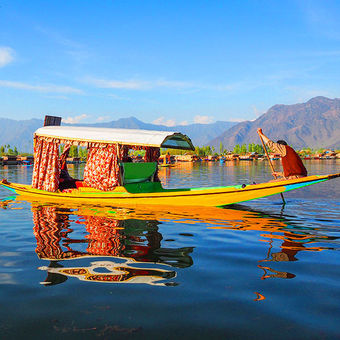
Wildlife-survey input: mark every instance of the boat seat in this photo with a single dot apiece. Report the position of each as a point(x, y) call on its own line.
point(138, 172)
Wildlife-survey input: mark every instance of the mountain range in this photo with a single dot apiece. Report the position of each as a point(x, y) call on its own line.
point(315, 124)
point(19, 133)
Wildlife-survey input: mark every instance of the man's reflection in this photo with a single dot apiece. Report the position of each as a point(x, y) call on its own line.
point(291, 238)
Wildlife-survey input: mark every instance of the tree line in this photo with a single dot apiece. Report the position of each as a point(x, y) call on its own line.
point(75, 151)
point(203, 151)
point(8, 150)
point(238, 149)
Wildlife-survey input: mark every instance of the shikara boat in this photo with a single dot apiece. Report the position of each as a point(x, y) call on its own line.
point(111, 180)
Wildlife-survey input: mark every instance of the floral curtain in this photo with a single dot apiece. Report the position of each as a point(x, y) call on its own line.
point(102, 168)
point(46, 165)
point(124, 152)
point(63, 156)
point(151, 154)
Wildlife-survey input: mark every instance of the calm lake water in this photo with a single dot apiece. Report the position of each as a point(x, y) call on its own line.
point(247, 271)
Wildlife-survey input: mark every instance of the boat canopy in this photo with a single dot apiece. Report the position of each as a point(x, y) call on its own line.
point(79, 135)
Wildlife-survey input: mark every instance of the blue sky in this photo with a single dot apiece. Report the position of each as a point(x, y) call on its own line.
point(167, 62)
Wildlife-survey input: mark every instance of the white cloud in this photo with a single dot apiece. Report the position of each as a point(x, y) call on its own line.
point(75, 120)
point(116, 84)
point(186, 87)
point(162, 121)
point(257, 114)
point(102, 118)
point(172, 122)
point(172, 84)
point(239, 120)
point(203, 119)
point(50, 88)
point(133, 84)
point(6, 56)
point(185, 122)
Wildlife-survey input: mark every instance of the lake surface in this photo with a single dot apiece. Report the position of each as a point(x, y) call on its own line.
point(253, 270)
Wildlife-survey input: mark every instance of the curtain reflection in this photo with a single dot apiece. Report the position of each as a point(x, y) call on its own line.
point(129, 244)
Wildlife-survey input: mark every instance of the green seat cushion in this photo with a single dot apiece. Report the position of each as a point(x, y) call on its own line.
point(138, 172)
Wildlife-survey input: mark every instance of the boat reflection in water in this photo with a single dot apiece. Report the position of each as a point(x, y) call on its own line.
point(133, 248)
point(131, 240)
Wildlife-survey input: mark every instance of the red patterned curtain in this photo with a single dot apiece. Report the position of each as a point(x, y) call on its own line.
point(64, 155)
point(46, 169)
point(123, 152)
point(151, 154)
point(102, 169)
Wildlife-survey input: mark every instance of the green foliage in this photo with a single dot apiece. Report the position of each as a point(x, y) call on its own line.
point(237, 149)
point(243, 149)
point(73, 153)
point(259, 149)
point(7, 150)
point(204, 150)
point(82, 153)
point(137, 153)
point(252, 147)
point(174, 151)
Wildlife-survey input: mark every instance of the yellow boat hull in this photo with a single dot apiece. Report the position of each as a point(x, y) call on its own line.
point(216, 196)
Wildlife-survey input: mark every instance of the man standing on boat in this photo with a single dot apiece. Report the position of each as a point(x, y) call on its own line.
point(291, 162)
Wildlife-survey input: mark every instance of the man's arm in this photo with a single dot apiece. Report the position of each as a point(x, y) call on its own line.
point(278, 148)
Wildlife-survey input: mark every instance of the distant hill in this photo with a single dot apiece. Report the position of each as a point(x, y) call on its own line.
point(315, 124)
point(19, 133)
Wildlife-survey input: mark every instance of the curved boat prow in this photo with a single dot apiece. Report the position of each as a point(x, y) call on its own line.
point(334, 176)
point(7, 185)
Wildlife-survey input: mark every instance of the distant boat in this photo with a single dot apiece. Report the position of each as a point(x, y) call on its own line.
point(167, 165)
point(245, 158)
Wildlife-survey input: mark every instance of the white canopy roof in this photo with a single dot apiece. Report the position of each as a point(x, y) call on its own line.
point(164, 139)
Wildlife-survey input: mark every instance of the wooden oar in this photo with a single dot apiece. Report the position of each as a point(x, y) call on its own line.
point(271, 165)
